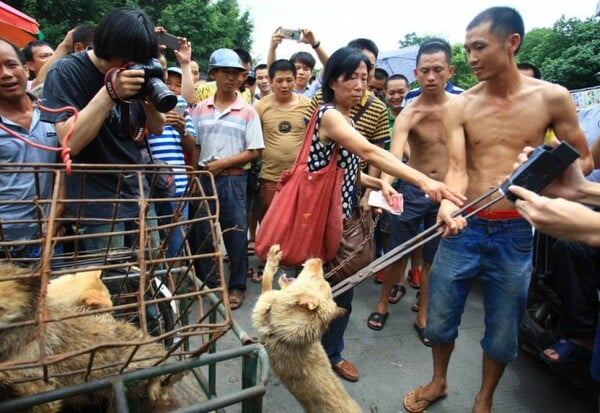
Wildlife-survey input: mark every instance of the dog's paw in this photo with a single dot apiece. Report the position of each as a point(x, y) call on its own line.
point(155, 390)
point(275, 254)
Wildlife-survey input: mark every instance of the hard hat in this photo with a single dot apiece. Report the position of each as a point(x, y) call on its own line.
point(222, 58)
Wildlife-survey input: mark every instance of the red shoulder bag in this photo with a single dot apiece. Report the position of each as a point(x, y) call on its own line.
point(305, 216)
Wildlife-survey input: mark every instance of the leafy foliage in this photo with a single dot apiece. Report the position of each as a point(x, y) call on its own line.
point(411, 39)
point(208, 25)
point(568, 54)
point(463, 76)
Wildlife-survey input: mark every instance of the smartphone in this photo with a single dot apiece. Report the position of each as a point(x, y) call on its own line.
point(291, 34)
point(180, 108)
point(172, 42)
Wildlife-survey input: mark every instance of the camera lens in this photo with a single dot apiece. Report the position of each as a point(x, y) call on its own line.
point(164, 100)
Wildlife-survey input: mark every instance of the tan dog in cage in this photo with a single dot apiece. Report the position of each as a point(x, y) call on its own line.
point(70, 295)
point(291, 322)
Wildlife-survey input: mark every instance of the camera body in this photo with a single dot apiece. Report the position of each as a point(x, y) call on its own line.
point(163, 99)
point(543, 165)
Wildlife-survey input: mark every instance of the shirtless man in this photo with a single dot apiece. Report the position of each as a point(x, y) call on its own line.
point(421, 125)
point(486, 128)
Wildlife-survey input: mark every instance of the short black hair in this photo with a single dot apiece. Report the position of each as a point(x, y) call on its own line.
point(343, 62)
point(381, 74)
point(434, 45)
point(529, 66)
point(281, 65)
point(28, 49)
point(305, 58)
point(18, 51)
point(126, 33)
point(364, 44)
point(84, 34)
point(244, 55)
point(260, 66)
point(397, 76)
point(504, 22)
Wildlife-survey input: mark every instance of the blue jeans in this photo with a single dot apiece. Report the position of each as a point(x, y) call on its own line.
point(101, 243)
point(419, 211)
point(113, 241)
point(498, 251)
point(333, 339)
point(233, 218)
point(165, 211)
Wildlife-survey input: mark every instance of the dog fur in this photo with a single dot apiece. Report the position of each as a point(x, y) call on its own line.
point(67, 296)
point(83, 290)
point(290, 322)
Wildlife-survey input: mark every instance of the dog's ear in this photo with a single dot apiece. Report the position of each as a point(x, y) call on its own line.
point(96, 300)
point(308, 301)
point(95, 273)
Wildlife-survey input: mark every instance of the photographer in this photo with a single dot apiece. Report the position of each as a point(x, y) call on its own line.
point(113, 111)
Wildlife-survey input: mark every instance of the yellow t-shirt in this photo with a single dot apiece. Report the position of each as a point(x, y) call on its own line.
point(208, 89)
point(283, 131)
point(549, 135)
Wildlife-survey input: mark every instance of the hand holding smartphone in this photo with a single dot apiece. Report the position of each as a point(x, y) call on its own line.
point(291, 34)
point(180, 108)
point(168, 40)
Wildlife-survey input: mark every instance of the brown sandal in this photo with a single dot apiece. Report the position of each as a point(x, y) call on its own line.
point(236, 299)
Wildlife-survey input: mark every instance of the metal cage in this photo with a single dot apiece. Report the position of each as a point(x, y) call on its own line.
point(157, 295)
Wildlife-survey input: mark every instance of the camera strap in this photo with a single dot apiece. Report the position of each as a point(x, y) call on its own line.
point(109, 84)
point(127, 127)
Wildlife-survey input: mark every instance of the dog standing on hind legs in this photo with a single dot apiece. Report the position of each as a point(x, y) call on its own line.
point(290, 322)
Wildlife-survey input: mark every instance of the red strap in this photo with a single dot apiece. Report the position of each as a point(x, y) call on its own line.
point(109, 83)
point(304, 152)
point(497, 213)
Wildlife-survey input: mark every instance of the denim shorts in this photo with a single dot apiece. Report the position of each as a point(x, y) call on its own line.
point(419, 213)
point(498, 251)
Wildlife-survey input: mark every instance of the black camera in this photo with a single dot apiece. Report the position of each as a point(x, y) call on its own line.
point(543, 166)
point(164, 100)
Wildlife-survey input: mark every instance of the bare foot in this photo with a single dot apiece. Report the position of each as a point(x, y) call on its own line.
point(422, 397)
point(482, 405)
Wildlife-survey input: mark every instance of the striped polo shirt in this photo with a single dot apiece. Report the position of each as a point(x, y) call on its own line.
point(227, 133)
point(372, 124)
point(414, 93)
point(167, 148)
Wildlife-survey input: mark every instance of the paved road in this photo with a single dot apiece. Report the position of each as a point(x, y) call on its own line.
point(393, 361)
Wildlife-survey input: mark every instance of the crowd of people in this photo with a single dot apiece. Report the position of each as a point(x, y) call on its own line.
point(437, 145)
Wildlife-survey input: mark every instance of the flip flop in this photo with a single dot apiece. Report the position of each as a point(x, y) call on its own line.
point(415, 307)
point(377, 318)
point(257, 278)
point(421, 332)
point(398, 291)
point(568, 352)
point(250, 273)
point(419, 403)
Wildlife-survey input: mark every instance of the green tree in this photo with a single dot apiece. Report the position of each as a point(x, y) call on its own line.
point(57, 17)
point(567, 54)
point(209, 25)
point(463, 75)
point(411, 39)
point(220, 25)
